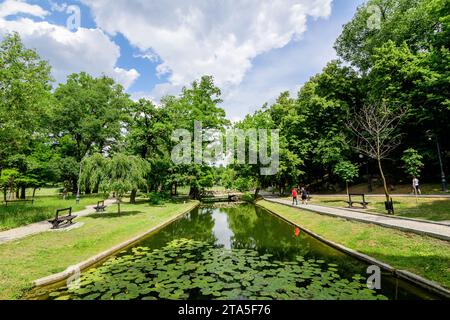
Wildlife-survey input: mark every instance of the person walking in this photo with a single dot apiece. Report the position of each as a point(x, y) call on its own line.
point(416, 186)
point(294, 196)
point(304, 195)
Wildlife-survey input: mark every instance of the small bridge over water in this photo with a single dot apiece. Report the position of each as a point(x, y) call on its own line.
point(210, 197)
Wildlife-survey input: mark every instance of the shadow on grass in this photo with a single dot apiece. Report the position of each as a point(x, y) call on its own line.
point(110, 215)
point(437, 210)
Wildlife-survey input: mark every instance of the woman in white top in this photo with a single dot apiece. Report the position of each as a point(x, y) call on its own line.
point(416, 186)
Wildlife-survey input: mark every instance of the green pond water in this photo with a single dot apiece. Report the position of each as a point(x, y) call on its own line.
point(234, 253)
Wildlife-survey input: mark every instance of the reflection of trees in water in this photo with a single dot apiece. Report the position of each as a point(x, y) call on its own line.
point(196, 225)
point(254, 228)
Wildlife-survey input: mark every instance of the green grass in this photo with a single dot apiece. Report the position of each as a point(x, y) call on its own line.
point(44, 207)
point(422, 255)
point(433, 209)
point(377, 188)
point(47, 253)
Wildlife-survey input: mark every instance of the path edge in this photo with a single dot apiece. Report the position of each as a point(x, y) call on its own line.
point(403, 274)
point(61, 276)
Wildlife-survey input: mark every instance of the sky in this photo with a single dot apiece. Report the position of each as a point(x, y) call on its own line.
point(254, 49)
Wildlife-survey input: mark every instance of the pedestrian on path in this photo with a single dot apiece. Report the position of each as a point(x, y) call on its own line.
point(294, 196)
point(416, 186)
point(304, 194)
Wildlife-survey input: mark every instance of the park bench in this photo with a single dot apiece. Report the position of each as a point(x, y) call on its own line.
point(100, 206)
point(18, 202)
point(58, 220)
point(350, 202)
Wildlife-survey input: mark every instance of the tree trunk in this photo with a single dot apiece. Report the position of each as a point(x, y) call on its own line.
point(256, 193)
point(194, 193)
point(23, 193)
point(386, 192)
point(34, 192)
point(4, 193)
point(118, 205)
point(17, 193)
point(346, 187)
point(133, 196)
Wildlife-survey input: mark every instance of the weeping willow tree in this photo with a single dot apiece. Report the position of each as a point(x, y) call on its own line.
point(92, 172)
point(120, 174)
point(123, 174)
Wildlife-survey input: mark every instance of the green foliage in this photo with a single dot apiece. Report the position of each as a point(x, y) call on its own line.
point(412, 162)
point(188, 269)
point(157, 198)
point(123, 173)
point(88, 114)
point(346, 170)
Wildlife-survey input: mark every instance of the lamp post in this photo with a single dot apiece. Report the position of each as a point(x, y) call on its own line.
point(78, 189)
point(443, 180)
point(369, 181)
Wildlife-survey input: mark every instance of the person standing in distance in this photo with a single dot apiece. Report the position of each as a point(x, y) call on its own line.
point(416, 186)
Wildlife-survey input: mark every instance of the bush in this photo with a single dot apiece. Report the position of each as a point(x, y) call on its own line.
point(157, 198)
point(248, 197)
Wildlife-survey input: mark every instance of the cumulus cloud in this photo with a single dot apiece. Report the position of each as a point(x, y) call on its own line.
point(89, 50)
point(194, 38)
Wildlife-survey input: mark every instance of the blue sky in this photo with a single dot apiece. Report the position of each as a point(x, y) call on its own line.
point(254, 50)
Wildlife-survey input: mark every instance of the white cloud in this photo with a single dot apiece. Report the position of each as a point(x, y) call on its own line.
point(68, 52)
point(9, 8)
point(219, 38)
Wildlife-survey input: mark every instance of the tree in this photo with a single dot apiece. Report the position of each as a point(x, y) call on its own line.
point(347, 171)
point(412, 162)
point(375, 129)
point(25, 84)
point(8, 179)
point(92, 172)
point(88, 115)
point(123, 174)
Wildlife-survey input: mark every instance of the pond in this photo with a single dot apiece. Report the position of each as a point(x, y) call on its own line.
point(234, 253)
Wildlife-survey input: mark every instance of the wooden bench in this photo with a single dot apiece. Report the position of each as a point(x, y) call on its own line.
point(350, 202)
point(100, 206)
point(18, 201)
point(58, 220)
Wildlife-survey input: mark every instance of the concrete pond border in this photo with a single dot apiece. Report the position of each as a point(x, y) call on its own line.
point(71, 270)
point(402, 274)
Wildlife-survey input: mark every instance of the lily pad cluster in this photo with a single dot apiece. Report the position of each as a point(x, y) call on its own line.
point(188, 269)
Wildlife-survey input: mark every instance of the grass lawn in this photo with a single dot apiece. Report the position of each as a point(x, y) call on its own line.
point(377, 188)
point(44, 207)
point(434, 209)
point(422, 255)
point(47, 253)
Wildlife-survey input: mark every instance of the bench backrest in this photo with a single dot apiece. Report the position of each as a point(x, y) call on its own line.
point(102, 203)
point(63, 210)
point(357, 195)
